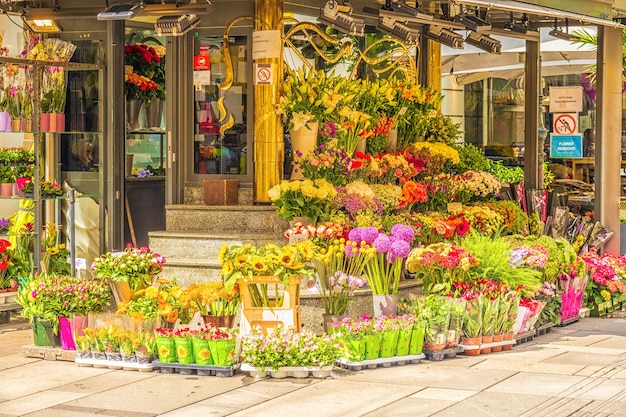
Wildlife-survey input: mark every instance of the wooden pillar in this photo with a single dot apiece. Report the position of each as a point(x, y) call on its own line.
point(608, 133)
point(269, 148)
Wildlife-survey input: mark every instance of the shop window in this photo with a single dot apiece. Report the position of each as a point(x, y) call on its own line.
point(220, 134)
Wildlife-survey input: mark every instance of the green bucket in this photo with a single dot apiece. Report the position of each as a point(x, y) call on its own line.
point(43, 334)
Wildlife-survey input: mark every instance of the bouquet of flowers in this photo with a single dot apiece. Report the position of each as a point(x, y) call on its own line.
point(5, 279)
point(309, 96)
point(304, 198)
point(339, 265)
point(4, 225)
point(437, 157)
point(607, 272)
point(384, 269)
point(213, 298)
point(147, 79)
point(50, 297)
point(166, 297)
point(327, 161)
point(55, 257)
point(284, 262)
point(439, 265)
point(385, 168)
point(357, 197)
point(480, 185)
point(134, 266)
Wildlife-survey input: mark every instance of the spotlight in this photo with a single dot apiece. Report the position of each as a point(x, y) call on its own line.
point(444, 36)
point(484, 42)
point(43, 25)
point(121, 11)
point(339, 18)
point(391, 27)
point(518, 27)
point(474, 23)
point(175, 25)
point(400, 6)
point(559, 34)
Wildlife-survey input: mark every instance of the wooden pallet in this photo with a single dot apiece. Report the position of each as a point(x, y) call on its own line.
point(569, 321)
point(543, 329)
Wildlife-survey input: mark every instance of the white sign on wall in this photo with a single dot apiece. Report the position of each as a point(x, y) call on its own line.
point(566, 99)
point(266, 44)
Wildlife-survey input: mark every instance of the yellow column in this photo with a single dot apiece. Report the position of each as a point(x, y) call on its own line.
point(429, 59)
point(269, 147)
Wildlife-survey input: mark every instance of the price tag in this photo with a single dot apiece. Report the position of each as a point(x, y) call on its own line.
point(80, 263)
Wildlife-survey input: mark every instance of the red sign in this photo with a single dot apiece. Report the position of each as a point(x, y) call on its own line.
point(201, 62)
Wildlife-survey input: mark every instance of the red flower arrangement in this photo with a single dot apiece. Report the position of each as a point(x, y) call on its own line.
point(147, 78)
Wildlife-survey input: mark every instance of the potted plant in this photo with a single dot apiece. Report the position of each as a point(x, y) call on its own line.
point(384, 268)
point(47, 298)
point(130, 270)
point(7, 282)
point(217, 305)
point(303, 199)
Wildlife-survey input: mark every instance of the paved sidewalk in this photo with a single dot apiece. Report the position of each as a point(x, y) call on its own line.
point(578, 370)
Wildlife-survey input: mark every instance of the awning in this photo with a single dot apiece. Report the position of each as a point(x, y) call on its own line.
point(539, 10)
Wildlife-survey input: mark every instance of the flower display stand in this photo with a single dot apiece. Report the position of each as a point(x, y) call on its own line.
point(8, 297)
point(380, 362)
point(439, 355)
point(289, 371)
point(287, 313)
point(110, 364)
point(195, 369)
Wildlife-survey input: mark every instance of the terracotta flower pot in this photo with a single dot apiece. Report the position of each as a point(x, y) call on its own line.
point(486, 339)
point(471, 341)
point(497, 338)
point(508, 336)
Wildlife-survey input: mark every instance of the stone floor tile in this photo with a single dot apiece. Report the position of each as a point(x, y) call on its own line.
point(331, 398)
point(173, 391)
point(557, 407)
point(492, 404)
point(43, 375)
point(543, 368)
point(603, 389)
point(434, 374)
point(411, 407)
point(536, 384)
point(443, 394)
point(580, 358)
point(590, 370)
point(613, 342)
point(202, 410)
point(37, 401)
point(106, 381)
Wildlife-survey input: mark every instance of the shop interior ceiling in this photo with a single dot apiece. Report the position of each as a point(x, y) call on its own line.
point(558, 56)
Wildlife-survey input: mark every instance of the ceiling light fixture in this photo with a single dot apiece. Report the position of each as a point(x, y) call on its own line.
point(43, 25)
point(484, 42)
point(474, 23)
point(338, 17)
point(518, 27)
point(559, 34)
point(121, 11)
point(392, 27)
point(401, 7)
point(444, 36)
point(175, 25)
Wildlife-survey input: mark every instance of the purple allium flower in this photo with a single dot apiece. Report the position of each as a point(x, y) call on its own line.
point(399, 249)
point(370, 233)
point(382, 243)
point(356, 234)
point(403, 232)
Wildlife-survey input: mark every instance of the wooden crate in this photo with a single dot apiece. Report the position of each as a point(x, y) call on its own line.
point(287, 313)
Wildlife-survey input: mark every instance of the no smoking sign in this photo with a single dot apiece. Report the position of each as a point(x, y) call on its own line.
point(565, 123)
point(263, 74)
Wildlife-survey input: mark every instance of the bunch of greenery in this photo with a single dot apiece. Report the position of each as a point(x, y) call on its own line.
point(493, 254)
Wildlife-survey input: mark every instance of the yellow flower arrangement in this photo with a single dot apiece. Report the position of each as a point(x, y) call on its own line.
point(304, 198)
point(483, 219)
point(246, 261)
point(440, 149)
point(213, 298)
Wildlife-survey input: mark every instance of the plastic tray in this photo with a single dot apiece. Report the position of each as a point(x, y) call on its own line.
point(439, 355)
point(384, 362)
point(289, 371)
point(104, 363)
point(195, 369)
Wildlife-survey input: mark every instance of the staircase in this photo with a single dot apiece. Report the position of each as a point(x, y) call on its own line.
point(194, 234)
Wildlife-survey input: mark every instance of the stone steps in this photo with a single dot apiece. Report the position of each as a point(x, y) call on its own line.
point(195, 233)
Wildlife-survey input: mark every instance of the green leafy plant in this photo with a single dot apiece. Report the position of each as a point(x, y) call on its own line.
point(304, 198)
point(134, 266)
